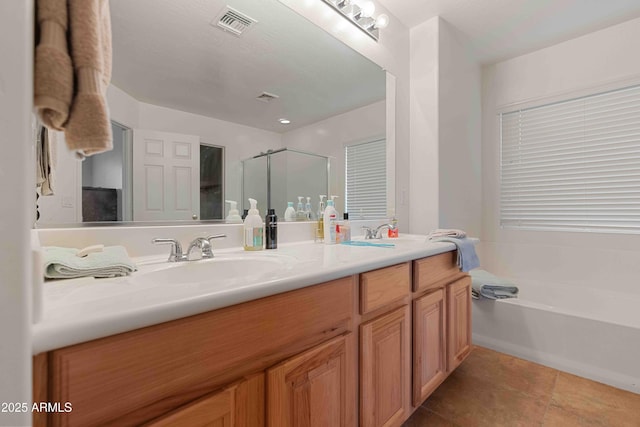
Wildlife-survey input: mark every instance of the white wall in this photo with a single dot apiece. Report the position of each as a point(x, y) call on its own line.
point(240, 142)
point(17, 186)
point(460, 133)
point(329, 137)
point(424, 167)
point(65, 204)
point(445, 166)
point(600, 60)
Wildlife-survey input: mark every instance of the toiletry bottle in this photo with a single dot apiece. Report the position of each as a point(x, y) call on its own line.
point(307, 210)
point(300, 210)
point(345, 229)
point(234, 215)
point(330, 217)
point(271, 230)
point(253, 229)
point(393, 230)
point(290, 213)
point(320, 225)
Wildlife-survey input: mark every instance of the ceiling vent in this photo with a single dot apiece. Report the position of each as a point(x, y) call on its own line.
point(233, 21)
point(267, 97)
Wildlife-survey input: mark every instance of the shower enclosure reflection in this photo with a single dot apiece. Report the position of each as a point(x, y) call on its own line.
point(277, 177)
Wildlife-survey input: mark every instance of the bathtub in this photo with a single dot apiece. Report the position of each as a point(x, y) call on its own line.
point(587, 332)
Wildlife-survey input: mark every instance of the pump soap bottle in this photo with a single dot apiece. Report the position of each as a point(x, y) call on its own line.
point(300, 216)
point(320, 228)
point(234, 215)
point(307, 210)
point(253, 229)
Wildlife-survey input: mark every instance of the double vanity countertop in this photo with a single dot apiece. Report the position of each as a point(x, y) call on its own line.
point(80, 310)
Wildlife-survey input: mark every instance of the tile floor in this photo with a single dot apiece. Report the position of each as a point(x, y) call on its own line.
point(494, 389)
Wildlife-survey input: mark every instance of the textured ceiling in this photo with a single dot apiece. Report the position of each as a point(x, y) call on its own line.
point(501, 29)
point(167, 53)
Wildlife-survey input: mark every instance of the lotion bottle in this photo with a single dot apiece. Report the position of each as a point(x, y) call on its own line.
point(330, 218)
point(290, 213)
point(253, 229)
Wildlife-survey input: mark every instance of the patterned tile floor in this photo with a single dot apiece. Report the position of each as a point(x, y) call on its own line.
point(494, 389)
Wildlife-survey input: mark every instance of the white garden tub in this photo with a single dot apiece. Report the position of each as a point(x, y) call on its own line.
point(591, 333)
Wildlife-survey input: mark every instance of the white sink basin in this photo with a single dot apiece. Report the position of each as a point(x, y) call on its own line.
point(223, 269)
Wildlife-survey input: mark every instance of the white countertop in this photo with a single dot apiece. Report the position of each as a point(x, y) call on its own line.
point(80, 310)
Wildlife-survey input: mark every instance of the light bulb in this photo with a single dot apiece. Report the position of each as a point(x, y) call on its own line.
point(367, 9)
point(382, 21)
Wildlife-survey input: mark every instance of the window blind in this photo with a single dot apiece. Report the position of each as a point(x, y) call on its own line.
point(573, 165)
point(366, 180)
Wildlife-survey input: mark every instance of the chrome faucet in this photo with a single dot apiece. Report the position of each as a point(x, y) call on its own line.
point(202, 243)
point(376, 233)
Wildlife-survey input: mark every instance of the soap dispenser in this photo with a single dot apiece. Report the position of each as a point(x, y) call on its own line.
point(290, 213)
point(253, 228)
point(234, 216)
point(320, 227)
point(307, 210)
point(300, 210)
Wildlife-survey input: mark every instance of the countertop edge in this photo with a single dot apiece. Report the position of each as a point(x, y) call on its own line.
point(52, 335)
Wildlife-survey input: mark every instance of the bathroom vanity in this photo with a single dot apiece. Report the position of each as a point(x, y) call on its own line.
point(364, 348)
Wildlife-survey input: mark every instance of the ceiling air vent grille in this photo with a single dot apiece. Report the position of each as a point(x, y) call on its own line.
point(233, 21)
point(267, 97)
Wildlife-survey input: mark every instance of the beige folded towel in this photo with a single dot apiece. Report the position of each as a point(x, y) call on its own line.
point(80, 110)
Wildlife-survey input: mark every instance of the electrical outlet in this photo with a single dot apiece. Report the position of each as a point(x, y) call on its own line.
point(67, 201)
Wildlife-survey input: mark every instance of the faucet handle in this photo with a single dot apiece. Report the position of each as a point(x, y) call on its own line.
point(176, 249)
point(369, 233)
point(216, 236)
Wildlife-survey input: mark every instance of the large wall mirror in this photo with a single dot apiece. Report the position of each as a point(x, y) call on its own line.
point(200, 86)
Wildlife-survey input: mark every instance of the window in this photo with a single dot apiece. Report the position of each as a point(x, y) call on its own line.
point(573, 165)
point(366, 180)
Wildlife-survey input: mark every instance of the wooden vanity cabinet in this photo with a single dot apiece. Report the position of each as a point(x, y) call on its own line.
point(315, 388)
point(429, 344)
point(441, 322)
point(239, 405)
point(293, 359)
point(385, 346)
point(459, 322)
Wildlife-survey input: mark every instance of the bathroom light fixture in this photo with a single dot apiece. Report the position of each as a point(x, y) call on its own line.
point(284, 121)
point(360, 14)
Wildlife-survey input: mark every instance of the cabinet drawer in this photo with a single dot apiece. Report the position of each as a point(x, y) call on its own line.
point(434, 271)
point(386, 285)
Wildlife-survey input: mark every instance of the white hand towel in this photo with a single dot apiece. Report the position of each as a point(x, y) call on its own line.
point(63, 263)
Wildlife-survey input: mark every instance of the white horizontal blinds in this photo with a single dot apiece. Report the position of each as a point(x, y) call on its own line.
point(573, 165)
point(366, 180)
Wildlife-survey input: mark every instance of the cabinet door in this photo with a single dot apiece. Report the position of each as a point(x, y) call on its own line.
point(384, 361)
point(315, 388)
point(429, 345)
point(459, 322)
point(240, 405)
